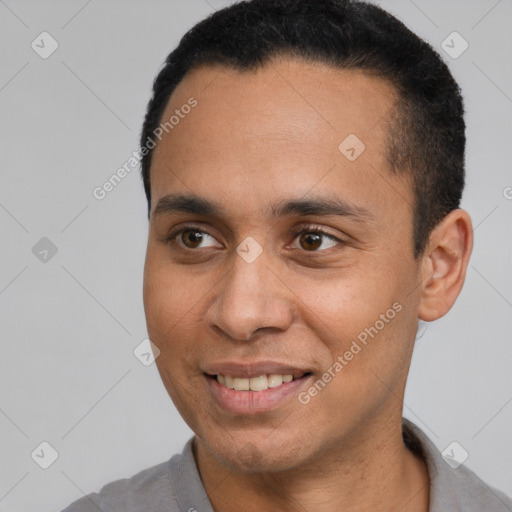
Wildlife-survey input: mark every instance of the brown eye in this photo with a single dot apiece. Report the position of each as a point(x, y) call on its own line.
point(310, 241)
point(191, 238)
point(313, 239)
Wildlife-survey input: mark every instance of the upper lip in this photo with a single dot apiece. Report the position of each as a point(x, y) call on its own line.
point(254, 369)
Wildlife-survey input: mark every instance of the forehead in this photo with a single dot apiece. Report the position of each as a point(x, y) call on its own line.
point(279, 128)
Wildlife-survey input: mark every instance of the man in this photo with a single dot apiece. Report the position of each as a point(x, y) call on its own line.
point(304, 165)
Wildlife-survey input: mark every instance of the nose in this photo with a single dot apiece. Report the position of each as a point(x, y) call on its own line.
point(251, 298)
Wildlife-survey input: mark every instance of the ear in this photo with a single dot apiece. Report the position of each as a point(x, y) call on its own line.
point(444, 264)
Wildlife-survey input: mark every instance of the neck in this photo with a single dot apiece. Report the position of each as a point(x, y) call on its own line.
point(373, 471)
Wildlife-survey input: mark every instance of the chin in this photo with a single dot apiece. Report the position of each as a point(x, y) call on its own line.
point(245, 454)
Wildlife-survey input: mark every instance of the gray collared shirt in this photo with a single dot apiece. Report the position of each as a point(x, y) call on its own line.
point(175, 485)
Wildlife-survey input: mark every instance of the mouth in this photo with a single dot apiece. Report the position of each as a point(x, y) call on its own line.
point(254, 389)
point(256, 384)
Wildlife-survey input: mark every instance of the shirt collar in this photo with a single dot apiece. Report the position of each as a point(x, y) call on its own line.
point(446, 483)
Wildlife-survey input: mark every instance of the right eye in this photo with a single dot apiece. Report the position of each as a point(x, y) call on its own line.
point(190, 237)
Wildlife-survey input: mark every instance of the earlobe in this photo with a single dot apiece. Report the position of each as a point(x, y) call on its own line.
point(444, 264)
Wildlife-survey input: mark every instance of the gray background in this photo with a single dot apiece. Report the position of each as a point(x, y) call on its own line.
point(68, 375)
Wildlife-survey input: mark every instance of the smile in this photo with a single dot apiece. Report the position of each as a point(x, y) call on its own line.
point(260, 383)
point(256, 394)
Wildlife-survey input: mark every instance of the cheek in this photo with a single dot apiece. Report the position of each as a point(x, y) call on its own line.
point(339, 307)
point(364, 318)
point(169, 300)
point(174, 302)
point(171, 294)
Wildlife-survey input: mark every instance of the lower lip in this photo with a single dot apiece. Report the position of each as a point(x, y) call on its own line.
point(254, 402)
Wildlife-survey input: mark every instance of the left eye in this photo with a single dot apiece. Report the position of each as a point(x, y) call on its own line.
point(312, 240)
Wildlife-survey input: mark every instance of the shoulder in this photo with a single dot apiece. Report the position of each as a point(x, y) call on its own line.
point(159, 487)
point(475, 494)
point(140, 492)
point(453, 486)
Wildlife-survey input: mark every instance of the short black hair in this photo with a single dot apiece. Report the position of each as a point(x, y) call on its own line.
point(426, 128)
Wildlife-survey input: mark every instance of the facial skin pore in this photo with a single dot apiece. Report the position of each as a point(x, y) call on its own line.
point(255, 141)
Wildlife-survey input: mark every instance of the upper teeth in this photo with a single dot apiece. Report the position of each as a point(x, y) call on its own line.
point(255, 383)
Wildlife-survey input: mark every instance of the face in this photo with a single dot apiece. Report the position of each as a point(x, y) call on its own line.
point(274, 252)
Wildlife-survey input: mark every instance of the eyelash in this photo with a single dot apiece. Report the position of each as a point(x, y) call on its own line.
point(311, 229)
point(317, 230)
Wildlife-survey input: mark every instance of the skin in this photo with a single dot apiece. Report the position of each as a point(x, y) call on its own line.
point(253, 139)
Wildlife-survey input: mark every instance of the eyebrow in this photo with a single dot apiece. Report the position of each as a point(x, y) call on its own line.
point(316, 206)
